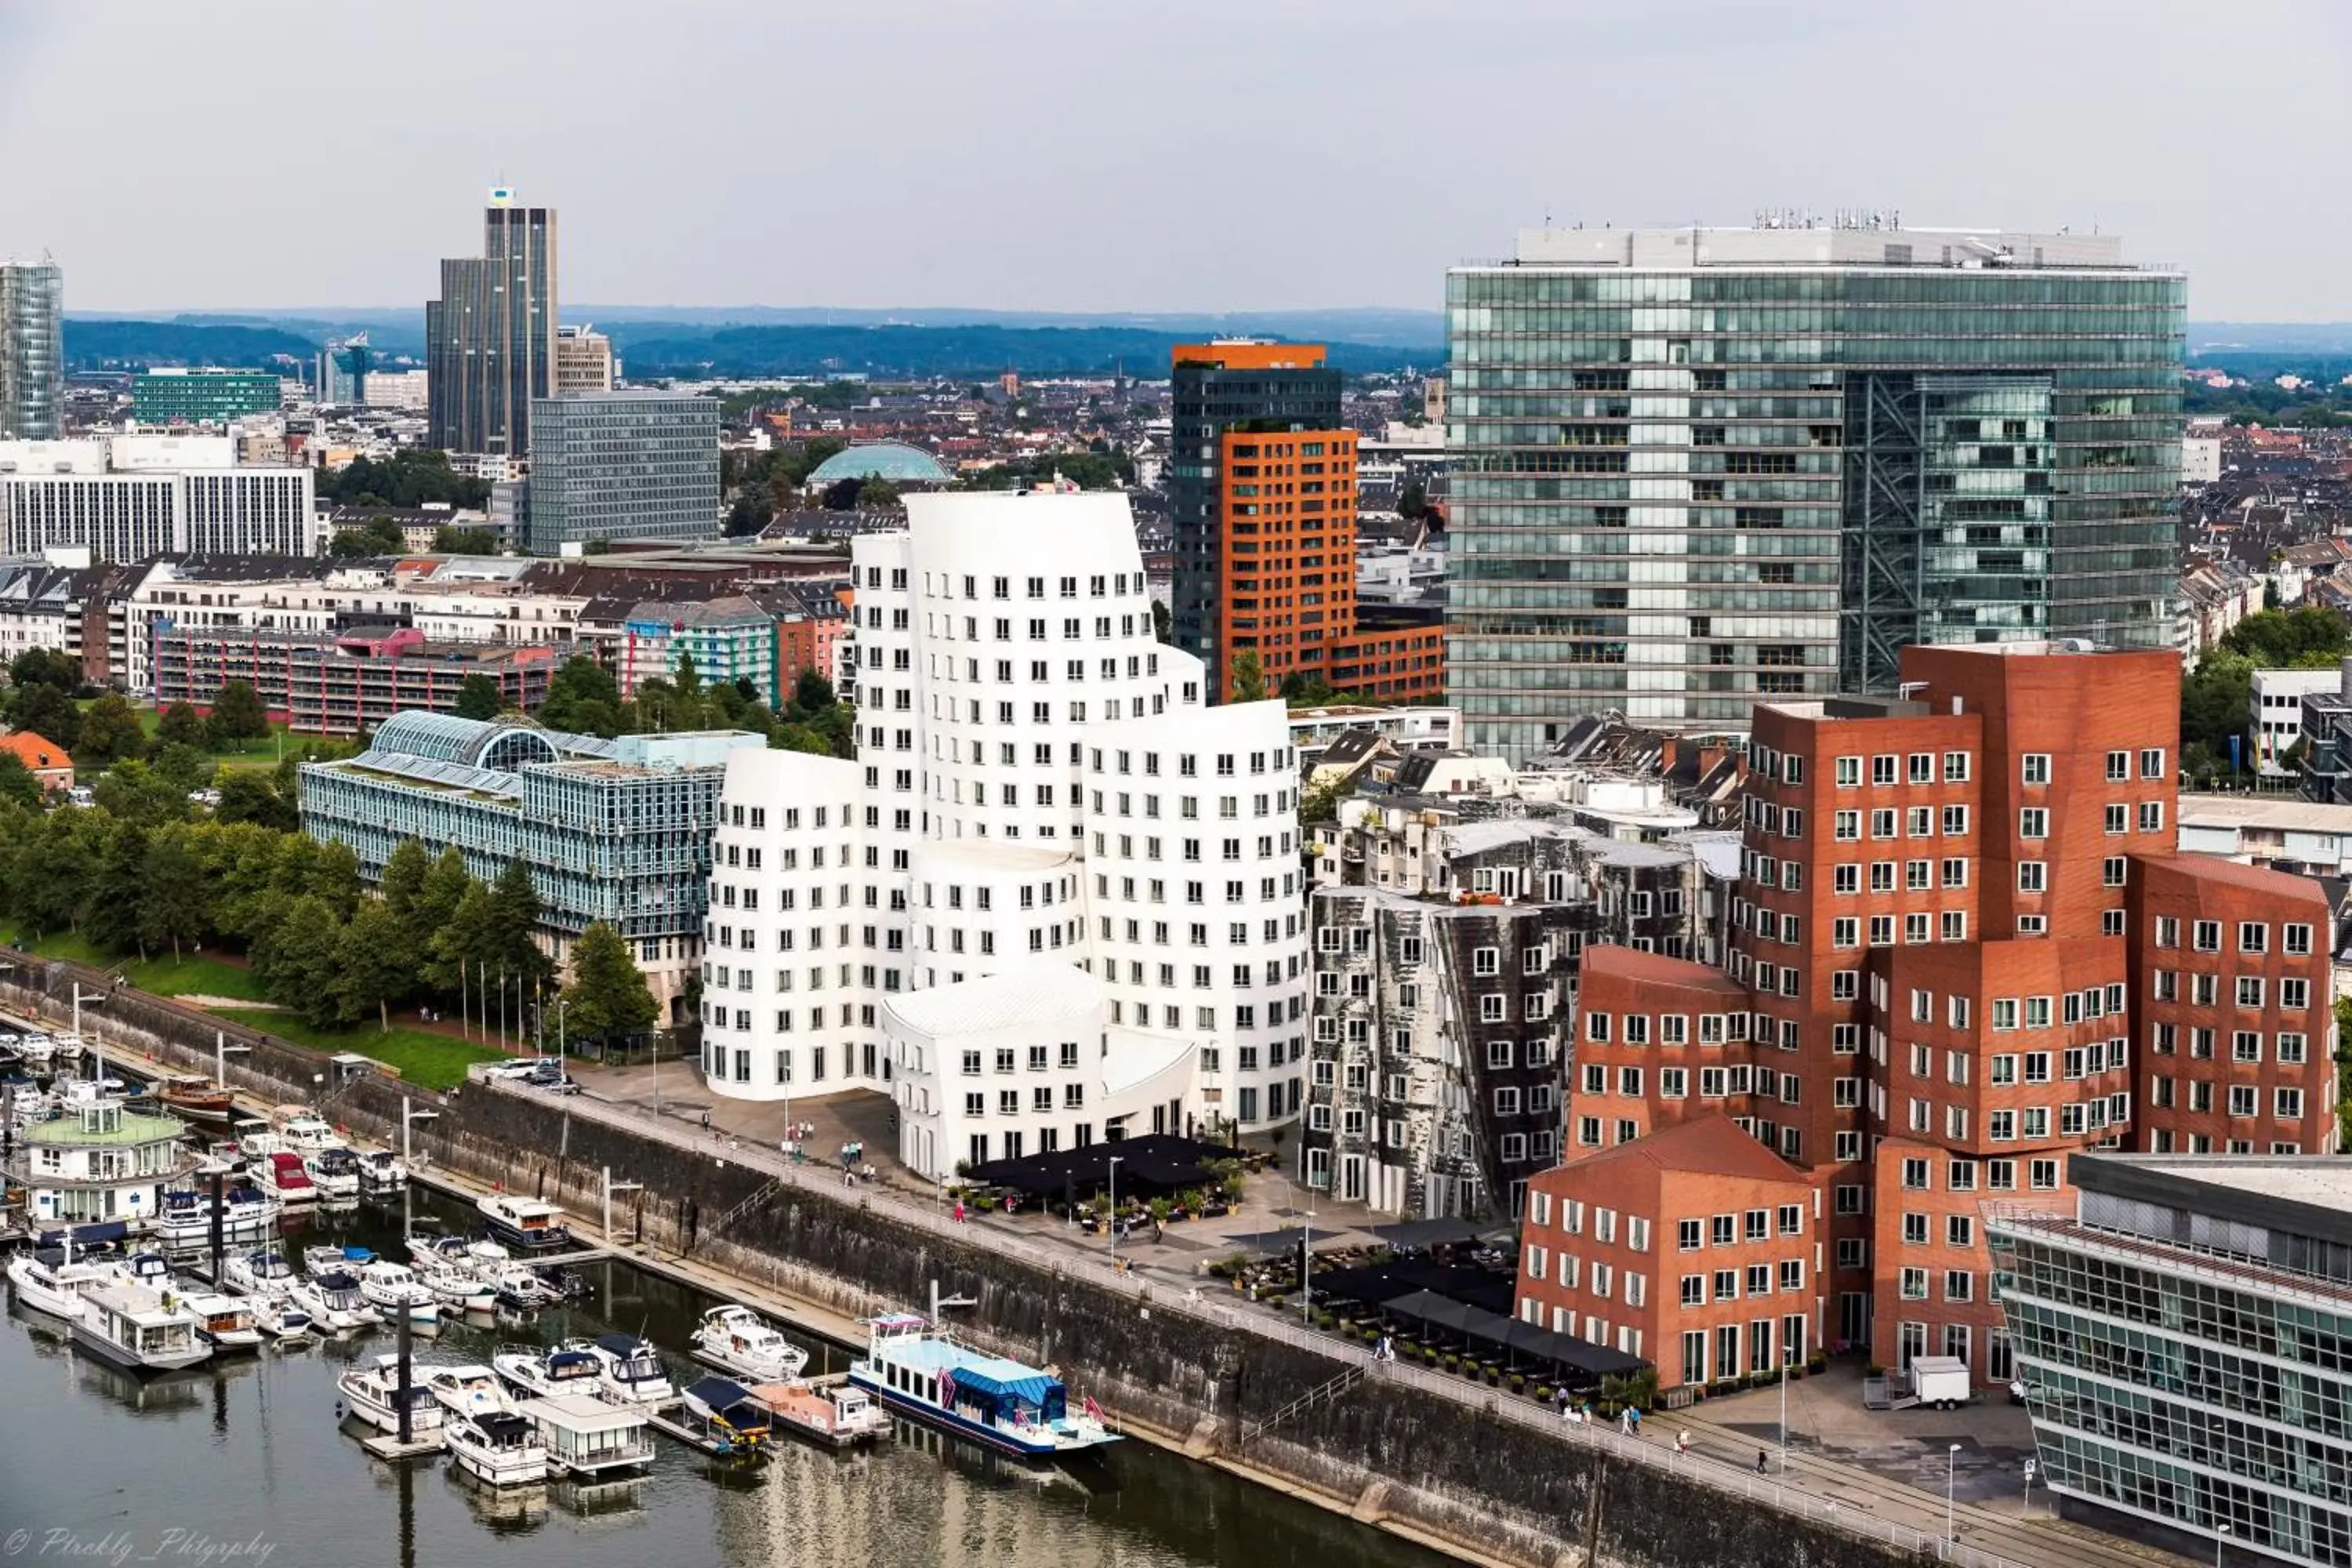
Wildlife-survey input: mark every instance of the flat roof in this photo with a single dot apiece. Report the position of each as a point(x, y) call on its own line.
point(2263, 811)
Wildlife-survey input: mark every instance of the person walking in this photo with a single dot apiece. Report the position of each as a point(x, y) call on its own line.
point(1625, 1421)
point(959, 1211)
point(1760, 1461)
point(1559, 1403)
point(1633, 1415)
point(1681, 1441)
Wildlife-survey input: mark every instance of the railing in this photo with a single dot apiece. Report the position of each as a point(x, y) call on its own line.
point(1217, 1312)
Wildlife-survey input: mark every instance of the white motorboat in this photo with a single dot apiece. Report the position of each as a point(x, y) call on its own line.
point(520, 1289)
point(371, 1391)
point(263, 1273)
point(737, 1340)
point(280, 1319)
point(52, 1280)
point(283, 1177)
point(38, 1049)
point(573, 1367)
point(634, 1374)
point(151, 1271)
point(334, 1301)
point(331, 1259)
point(255, 1140)
point(395, 1291)
point(382, 1173)
point(227, 1323)
point(524, 1223)
point(473, 1390)
point(452, 1283)
point(502, 1448)
point(303, 1130)
point(132, 1326)
point(184, 1222)
point(335, 1172)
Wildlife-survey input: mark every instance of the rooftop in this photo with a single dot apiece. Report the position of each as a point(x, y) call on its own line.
point(891, 460)
point(1047, 995)
point(2283, 812)
point(1711, 1144)
point(1874, 239)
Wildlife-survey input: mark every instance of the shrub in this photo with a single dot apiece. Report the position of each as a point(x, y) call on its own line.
point(1544, 1392)
point(1325, 1321)
point(1453, 1363)
point(1817, 1364)
point(1519, 1383)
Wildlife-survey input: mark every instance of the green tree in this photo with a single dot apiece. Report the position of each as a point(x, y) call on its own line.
point(180, 725)
point(1248, 683)
point(118, 886)
point(401, 885)
point(582, 698)
point(298, 959)
point(465, 947)
point(110, 731)
point(42, 710)
point(183, 767)
point(410, 477)
point(374, 969)
point(452, 540)
point(514, 922)
point(238, 713)
point(1164, 626)
point(477, 697)
point(607, 997)
point(878, 494)
point(333, 877)
point(52, 864)
point(249, 796)
point(46, 667)
point(438, 898)
point(1412, 500)
point(133, 792)
point(176, 903)
point(17, 785)
point(2307, 638)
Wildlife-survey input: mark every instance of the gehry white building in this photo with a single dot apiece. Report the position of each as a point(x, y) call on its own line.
point(1056, 899)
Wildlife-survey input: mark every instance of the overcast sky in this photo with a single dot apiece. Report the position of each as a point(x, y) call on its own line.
point(1119, 154)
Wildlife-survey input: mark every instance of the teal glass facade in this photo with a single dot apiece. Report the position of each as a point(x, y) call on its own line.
point(203, 396)
point(1679, 488)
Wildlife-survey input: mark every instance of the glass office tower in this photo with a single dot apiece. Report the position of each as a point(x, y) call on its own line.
point(623, 464)
point(1694, 467)
point(489, 339)
point(32, 352)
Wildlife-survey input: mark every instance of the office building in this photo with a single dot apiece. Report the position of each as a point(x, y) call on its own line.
point(584, 361)
point(1262, 496)
point(32, 350)
point(2181, 1331)
point(1695, 468)
point(203, 396)
point(1964, 947)
point(1054, 900)
point(489, 339)
point(623, 464)
point(130, 497)
point(345, 684)
point(617, 831)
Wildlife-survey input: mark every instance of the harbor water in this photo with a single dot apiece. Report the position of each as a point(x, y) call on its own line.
point(242, 1460)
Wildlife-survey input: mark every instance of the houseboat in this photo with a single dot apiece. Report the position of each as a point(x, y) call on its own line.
point(132, 1326)
point(371, 1391)
point(282, 1176)
point(722, 1418)
point(195, 1096)
point(998, 1403)
point(838, 1415)
point(570, 1368)
point(502, 1448)
point(586, 1436)
point(737, 1340)
point(524, 1223)
point(51, 1280)
point(99, 1160)
point(633, 1371)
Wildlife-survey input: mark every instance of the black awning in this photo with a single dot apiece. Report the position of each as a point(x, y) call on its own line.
point(1426, 1232)
point(1379, 1282)
point(1155, 1164)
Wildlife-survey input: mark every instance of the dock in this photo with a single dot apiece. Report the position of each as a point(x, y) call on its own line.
point(388, 1446)
point(701, 1442)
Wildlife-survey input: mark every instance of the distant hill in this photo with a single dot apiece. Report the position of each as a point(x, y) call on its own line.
point(2206, 339)
point(678, 349)
point(106, 344)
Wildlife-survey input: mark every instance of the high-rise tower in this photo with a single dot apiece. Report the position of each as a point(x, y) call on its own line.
point(490, 337)
point(32, 350)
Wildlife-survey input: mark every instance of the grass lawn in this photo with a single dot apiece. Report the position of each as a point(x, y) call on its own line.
point(434, 1061)
point(191, 975)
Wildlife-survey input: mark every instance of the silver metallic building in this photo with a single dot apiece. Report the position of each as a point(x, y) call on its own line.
point(1694, 467)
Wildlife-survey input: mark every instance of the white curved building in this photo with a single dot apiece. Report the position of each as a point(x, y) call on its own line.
point(1056, 900)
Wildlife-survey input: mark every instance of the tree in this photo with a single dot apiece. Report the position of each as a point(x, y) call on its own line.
point(582, 698)
point(175, 905)
point(184, 768)
point(477, 697)
point(237, 712)
point(118, 887)
point(46, 667)
point(607, 996)
point(1163, 627)
point(878, 494)
point(249, 796)
point(110, 731)
point(331, 875)
point(42, 710)
point(1247, 683)
point(2307, 638)
point(17, 785)
point(410, 477)
point(462, 947)
point(374, 967)
point(452, 540)
point(180, 725)
point(1412, 500)
point(377, 536)
point(402, 887)
point(131, 791)
point(298, 959)
point(514, 922)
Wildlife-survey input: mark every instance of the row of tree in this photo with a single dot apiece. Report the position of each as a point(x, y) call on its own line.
point(319, 945)
point(2214, 696)
point(583, 698)
point(384, 536)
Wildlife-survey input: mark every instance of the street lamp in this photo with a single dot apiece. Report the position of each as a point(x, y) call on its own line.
point(1110, 1226)
point(79, 997)
point(2220, 1538)
point(1306, 1262)
point(1951, 1477)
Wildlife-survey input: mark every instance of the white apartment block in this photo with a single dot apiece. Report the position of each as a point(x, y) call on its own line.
point(2274, 710)
point(131, 498)
point(1056, 900)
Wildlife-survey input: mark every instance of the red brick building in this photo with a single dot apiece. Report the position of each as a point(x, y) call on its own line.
point(1696, 1247)
point(1966, 947)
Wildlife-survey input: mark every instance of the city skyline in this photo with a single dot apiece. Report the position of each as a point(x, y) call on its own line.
point(1048, 203)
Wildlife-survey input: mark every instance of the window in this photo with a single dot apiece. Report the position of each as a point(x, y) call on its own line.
point(2034, 822)
point(2151, 816)
point(1956, 767)
point(2036, 767)
point(2033, 876)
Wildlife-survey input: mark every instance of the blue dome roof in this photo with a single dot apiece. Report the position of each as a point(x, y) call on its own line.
point(891, 460)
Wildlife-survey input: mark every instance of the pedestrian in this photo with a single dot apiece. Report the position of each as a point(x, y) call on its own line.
point(1760, 1461)
point(1634, 1413)
point(1681, 1441)
point(1560, 1402)
point(959, 1211)
point(706, 1121)
point(1625, 1421)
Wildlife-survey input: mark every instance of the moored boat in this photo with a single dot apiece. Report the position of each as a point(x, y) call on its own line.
point(382, 1173)
point(283, 1177)
point(334, 1171)
point(451, 1284)
point(722, 1418)
point(227, 1323)
point(371, 1391)
point(302, 1130)
point(569, 1368)
point(837, 1415)
point(265, 1272)
point(590, 1436)
point(524, 1223)
point(334, 1301)
point(994, 1400)
point(633, 1371)
point(185, 1222)
point(394, 1292)
point(737, 1340)
point(470, 1389)
point(502, 1448)
point(136, 1328)
point(52, 1280)
point(195, 1096)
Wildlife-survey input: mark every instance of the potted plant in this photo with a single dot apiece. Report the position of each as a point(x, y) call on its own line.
point(1817, 1364)
point(1160, 1209)
point(1543, 1392)
point(1518, 1383)
point(1452, 1363)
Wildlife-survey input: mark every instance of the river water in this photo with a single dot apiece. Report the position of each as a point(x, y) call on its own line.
point(243, 1461)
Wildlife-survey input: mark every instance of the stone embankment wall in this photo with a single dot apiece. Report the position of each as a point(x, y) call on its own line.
point(1451, 1472)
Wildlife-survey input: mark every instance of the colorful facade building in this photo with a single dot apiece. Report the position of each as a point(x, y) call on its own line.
point(203, 396)
point(1964, 947)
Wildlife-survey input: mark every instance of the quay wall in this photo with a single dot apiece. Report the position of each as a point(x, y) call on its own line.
point(1455, 1475)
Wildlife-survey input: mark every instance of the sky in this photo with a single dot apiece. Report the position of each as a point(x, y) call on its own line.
point(1097, 156)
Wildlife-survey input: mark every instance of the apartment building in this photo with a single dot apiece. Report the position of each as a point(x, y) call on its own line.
point(340, 684)
point(130, 497)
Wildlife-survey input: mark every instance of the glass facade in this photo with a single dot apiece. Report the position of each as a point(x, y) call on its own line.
point(1682, 486)
point(201, 397)
point(32, 352)
point(489, 339)
point(623, 465)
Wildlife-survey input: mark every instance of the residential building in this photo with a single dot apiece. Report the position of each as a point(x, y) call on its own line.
point(32, 350)
point(1727, 1287)
point(168, 396)
point(584, 361)
point(1850, 437)
point(1263, 495)
point(2214, 596)
point(489, 339)
point(1311, 728)
point(2274, 712)
point(617, 831)
point(51, 764)
point(342, 684)
point(728, 639)
point(410, 391)
point(2284, 833)
point(623, 464)
point(1446, 954)
point(1969, 948)
point(2327, 741)
point(128, 498)
point(1055, 898)
point(2178, 1329)
point(812, 632)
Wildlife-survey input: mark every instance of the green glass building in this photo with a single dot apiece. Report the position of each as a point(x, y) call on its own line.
point(201, 397)
point(1694, 467)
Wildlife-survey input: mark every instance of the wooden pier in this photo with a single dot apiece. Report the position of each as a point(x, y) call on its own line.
point(388, 1446)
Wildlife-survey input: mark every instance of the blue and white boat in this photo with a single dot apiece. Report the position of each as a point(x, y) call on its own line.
point(1003, 1404)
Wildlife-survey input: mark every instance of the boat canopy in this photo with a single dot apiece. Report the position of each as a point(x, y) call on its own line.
point(87, 1234)
point(622, 1345)
point(568, 1358)
point(503, 1427)
point(717, 1393)
point(1003, 1379)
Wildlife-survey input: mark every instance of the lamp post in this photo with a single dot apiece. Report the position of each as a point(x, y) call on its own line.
point(1110, 1224)
point(560, 1047)
point(1951, 1477)
point(1306, 1262)
point(81, 997)
point(221, 1048)
point(1784, 1407)
point(2221, 1539)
